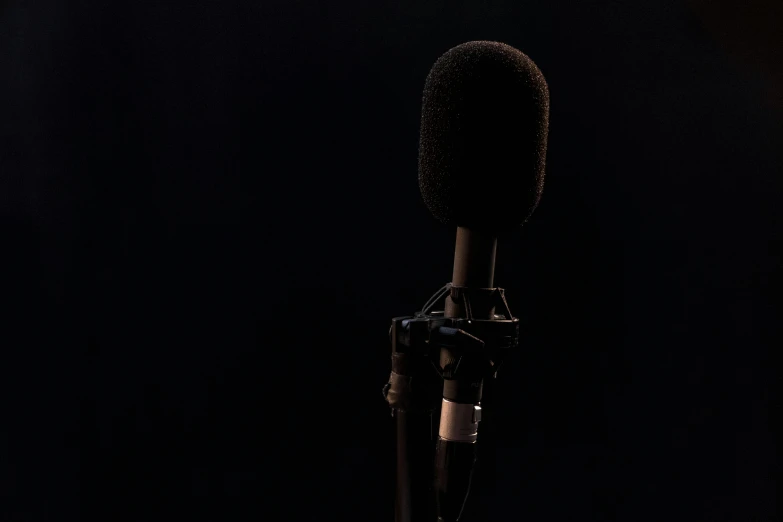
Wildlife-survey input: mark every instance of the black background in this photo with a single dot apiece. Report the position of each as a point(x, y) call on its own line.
point(210, 214)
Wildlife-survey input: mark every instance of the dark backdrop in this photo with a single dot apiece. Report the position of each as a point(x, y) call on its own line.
point(210, 214)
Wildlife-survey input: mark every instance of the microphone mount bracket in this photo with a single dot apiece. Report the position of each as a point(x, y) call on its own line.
point(417, 342)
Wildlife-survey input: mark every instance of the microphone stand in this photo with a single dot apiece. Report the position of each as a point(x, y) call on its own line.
point(414, 391)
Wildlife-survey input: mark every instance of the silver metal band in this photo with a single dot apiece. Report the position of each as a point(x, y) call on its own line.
point(459, 422)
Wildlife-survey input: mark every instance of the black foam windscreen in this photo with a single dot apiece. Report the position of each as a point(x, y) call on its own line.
point(484, 126)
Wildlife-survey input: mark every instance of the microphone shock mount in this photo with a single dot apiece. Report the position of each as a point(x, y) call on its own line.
point(438, 367)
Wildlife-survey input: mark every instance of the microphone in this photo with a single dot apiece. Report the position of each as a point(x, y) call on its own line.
point(484, 127)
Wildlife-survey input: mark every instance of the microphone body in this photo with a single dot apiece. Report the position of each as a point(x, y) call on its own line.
point(463, 374)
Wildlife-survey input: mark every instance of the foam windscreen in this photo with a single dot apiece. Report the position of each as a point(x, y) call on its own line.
point(484, 126)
